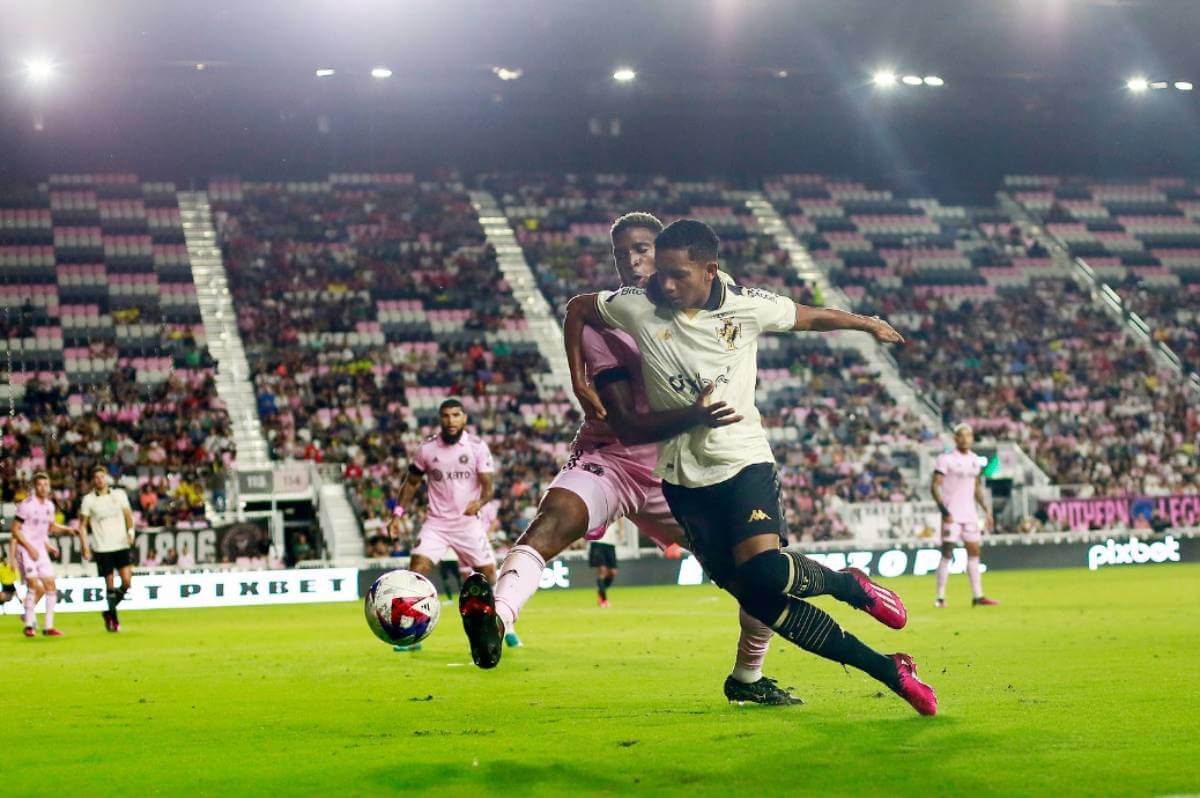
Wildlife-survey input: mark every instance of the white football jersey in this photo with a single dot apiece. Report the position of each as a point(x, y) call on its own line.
point(682, 354)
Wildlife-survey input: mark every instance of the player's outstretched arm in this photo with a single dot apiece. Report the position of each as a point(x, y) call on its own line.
point(829, 319)
point(582, 311)
point(407, 491)
point(633, 428)
point(487, 489)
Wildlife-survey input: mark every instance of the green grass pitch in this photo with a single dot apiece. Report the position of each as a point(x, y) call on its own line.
point(1080, 684)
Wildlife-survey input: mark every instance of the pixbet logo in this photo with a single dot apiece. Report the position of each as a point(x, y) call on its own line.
point(1114, 553)
point(556, 575)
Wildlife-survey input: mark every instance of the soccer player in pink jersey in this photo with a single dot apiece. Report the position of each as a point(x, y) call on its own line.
point(460, 473)
point(610, 474)
point(958, 488)
point(31, 532)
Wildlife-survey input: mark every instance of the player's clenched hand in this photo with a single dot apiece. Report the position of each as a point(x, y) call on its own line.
point(884, 332)
point(717, 414)
point(51, 549)
point(589, 400)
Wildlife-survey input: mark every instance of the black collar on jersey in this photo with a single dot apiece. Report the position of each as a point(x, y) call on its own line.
point(716, 294)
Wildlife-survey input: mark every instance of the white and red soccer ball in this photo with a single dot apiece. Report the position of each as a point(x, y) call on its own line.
point(402, 608)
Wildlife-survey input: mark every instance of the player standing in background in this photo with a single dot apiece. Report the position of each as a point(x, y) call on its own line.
point(699, 335)
point(106, 513)
point(958, 488)
point(609, 475)
point(602, 555)
point(31, 531)
point(460, 473)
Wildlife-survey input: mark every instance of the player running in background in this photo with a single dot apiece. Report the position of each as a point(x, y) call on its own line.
point(958, 489)
point(106, 513)
point(696, 335)
point(610, 474)
point(602, 555)
point(460, 474)
point(31, 531)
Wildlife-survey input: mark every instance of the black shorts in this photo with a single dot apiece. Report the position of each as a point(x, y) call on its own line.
point(8, 588)
point(109, 561)
point(602, 554)
point(717, 517)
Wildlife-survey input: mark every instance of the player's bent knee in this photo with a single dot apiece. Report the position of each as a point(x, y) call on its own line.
point(422, 565)
point(766, 573)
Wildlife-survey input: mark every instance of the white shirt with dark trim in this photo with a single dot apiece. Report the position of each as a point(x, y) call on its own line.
point(682, 354)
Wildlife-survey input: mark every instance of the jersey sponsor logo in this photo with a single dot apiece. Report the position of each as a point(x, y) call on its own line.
point(758, 515)
point(624, 291)
point(728, 334)
point(684, 383)
point(757, 293)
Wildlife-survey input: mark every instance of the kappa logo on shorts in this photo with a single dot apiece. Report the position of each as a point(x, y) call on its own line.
point(758, 515)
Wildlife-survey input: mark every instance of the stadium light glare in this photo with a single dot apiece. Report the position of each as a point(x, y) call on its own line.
point(1137, 85)
point(934, 80)
point(39, 69)
point(1183, 85)
point(624, 75)
point(325, 72)
point(507, 73)
point(1158, 84)
point(884, 79)
point(381, 72)
point(911, 80)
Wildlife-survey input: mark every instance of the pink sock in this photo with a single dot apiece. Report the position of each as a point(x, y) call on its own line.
point(51, 600)
point(752, 648)
point(520, 575)
point(974, 576)
point(943, 574)
point(30, 603)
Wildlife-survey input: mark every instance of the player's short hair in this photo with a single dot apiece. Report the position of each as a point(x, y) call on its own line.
point(646, 221)
point(41, 475)
point(964, 426)
point(700, 240)
point(449, 403)
point(100, 470)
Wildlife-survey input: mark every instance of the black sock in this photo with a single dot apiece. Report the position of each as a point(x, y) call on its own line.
point(110, 595)
point(811, 628)
point(121, 591)
point(793, 574)
point(601, 588)
point(608, 580)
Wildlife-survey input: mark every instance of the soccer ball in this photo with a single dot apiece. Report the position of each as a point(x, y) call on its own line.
point(402, 608)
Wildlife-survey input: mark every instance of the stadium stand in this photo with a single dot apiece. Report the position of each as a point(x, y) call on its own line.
point(105, 355)
point(364, 301)
point(1002, 337)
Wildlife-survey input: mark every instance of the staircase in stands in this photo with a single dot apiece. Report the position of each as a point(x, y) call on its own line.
point(234, 385)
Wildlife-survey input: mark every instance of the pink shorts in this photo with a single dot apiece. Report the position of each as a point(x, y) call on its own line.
point(467, 538)
point(955, 532)
point(42, 568)
point(612, 487)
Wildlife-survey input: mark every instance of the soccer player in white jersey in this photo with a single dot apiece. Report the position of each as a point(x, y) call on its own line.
point(602, 556)
point(31, 531)
point(106, 513)
point(460, 473)
point(958, 489)
point(696, 331)
point(609, 475)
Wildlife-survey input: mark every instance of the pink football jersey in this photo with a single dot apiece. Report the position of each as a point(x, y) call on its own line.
point(606, 350)
point(452, 473)
point(35, 517)
point(959, 471)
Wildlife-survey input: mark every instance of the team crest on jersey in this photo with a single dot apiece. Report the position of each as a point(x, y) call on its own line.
point(435, 475)
point(462, 458)
point(728, 334)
